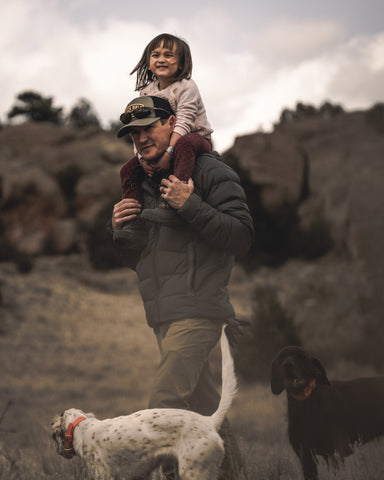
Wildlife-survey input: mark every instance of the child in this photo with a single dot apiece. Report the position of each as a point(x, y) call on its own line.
point(164, 70)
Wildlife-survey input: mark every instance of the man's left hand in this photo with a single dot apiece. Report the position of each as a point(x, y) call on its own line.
point(175, 192)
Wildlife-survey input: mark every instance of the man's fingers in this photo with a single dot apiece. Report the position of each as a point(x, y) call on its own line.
point(125, 219)
point(127, 202)
point(126, 210)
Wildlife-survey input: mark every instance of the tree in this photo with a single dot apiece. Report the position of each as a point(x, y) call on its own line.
point(82, 115)
point(36, 108)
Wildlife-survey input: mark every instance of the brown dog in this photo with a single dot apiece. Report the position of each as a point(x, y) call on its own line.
point(325, 418)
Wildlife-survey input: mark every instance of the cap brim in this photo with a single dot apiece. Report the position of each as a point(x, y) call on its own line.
point(140, 122)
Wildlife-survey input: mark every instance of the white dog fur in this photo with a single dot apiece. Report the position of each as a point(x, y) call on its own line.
point(134, 445)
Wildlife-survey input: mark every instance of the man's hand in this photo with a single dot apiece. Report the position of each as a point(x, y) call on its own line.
point(175, 192)
point(124, 211)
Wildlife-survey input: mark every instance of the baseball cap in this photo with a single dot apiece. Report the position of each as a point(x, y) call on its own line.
point(143, 111)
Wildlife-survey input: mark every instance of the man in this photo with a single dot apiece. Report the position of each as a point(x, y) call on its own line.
point(184, 268)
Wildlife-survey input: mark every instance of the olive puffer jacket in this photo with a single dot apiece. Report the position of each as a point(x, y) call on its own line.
point(184, 270)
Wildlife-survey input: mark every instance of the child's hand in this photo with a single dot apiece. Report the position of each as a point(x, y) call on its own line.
point(164, 162)
point(149, 168)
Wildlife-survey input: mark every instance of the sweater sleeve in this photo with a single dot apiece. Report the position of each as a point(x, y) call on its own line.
point(220, 215)
point(188, 101)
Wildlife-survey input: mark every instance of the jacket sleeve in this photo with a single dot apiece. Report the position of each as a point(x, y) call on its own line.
point(218, 211)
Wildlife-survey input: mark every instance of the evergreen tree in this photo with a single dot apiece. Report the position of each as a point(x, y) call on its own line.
point(36, 108)
point(83, 115)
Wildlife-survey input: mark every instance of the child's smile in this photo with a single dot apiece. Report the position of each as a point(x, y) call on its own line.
point(164, 63)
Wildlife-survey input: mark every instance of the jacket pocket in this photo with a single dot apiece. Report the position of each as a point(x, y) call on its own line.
point(191, 252)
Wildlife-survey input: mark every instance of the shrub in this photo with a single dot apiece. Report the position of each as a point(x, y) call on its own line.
point(271, 329)
point(375, 117)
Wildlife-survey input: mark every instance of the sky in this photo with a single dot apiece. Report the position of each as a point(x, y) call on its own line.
point(251, 58)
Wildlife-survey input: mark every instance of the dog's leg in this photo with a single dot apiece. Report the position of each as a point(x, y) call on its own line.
point(204, 464)
point(309, 465)
point(208, 473)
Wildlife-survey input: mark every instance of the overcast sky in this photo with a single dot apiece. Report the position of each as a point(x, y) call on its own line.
point(251, 58)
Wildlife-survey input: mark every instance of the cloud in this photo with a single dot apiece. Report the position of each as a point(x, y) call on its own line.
point(359, 78)
point(245, 79)
point(352, 74)
point(288, 40)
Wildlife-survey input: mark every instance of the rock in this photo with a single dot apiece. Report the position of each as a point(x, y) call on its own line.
point(64, 236)
point(275, 164)
point(95, 193)
point(55, 183)
point(31, 203)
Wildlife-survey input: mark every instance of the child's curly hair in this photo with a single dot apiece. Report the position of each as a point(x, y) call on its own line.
point(145, 76)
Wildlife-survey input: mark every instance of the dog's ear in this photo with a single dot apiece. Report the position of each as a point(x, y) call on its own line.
point(276, 383)
point(56, 423)
point(323, 374)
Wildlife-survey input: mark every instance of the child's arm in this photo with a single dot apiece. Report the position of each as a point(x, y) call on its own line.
point(148, 168)
point(188, 101)
point(164, 161)
point(188, 104)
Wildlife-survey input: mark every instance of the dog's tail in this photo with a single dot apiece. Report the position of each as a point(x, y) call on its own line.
point(229, 382)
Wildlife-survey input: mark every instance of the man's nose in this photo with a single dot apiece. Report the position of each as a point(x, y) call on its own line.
point(142, 136)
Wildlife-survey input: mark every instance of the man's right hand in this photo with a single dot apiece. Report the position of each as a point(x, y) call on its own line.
point(124, 211)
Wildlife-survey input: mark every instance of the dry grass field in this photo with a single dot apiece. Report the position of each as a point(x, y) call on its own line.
point(73, 337)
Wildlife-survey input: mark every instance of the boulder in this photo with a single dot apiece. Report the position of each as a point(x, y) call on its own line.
point(31, 203)
point(276, 166)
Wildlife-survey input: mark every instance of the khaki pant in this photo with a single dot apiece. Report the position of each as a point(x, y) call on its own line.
point(185, 379)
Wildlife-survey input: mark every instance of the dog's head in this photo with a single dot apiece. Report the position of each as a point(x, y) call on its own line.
point(60, 425)
point(293, 369)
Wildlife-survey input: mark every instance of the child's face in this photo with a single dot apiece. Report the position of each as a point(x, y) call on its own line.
point(164, 63)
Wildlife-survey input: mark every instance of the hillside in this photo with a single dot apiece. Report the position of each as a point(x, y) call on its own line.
point(72, 326)
point(314, 187)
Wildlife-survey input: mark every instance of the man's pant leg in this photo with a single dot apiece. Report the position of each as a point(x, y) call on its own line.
point(184, 348)
point(185, 379)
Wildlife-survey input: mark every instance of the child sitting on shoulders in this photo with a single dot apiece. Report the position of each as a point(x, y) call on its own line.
point(164, 71)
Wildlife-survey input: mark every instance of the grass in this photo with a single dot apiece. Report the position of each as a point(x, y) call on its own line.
point(76, 338)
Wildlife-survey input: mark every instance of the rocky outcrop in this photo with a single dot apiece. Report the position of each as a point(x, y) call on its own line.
point(314, 187)
point(324, 231)
point(56, 183)
point(318, 175)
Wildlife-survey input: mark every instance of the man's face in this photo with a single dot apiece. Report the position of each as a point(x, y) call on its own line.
point(152, 141)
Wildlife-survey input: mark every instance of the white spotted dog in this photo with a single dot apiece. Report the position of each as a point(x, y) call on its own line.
point(134, 445)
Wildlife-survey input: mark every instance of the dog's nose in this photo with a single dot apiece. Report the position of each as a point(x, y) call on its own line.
point(288, 364)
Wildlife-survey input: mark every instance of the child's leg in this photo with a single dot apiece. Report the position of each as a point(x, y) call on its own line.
point(185, 152)
point(133, 234)
point(131, 175)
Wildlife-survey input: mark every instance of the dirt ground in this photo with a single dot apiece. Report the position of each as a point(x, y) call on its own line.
point(74, 337)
